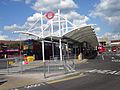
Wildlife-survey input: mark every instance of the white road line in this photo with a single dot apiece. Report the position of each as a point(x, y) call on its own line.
point(112, 72)
point(34, 85)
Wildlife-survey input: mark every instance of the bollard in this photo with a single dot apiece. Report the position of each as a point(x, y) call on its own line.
point(48, 66)
point(102, 57)
point(21, 62)
point(44, 69)
point(73, 64)
point(65, 66)
point(7, 67)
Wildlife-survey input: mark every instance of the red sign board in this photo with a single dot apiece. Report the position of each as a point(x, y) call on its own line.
point(50, 15)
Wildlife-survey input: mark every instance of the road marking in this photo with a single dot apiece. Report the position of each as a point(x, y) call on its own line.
point(116, 60)
point(14, 89)
point(98, 71)
point(113, 57)
point(52, 82)
point(34, 85)
point(112, 72)
point(66, 79)
point(61, 68)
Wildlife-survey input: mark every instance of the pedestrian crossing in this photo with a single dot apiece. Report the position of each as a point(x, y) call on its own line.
point(100, 71)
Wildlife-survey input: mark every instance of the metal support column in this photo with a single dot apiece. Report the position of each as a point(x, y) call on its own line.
point(52, 39)
point(43, 55)
point(43, 46)
point(60, 43)
point(59, 23)
point(60, 46)
point(67, 51)
point(75, 51)
point(43, 50)
point(53, 49)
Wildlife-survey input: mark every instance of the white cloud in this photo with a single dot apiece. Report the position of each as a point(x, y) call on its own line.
point(110, 36)
point(46, 5)
point(75, 15)
point(26, 25)
point(29, 22)
point(14, 27)
point(67, 10)
point(97, 29)
point(33, 18)
point(26, 1)
point(78, 23)
point(67, 6)
point(2, 36)
point(110, 11)
point(78, 20)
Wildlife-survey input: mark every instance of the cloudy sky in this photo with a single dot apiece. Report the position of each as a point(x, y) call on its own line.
point(103, 15)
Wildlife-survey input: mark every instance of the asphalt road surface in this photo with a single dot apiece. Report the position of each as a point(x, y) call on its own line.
point(102, 73)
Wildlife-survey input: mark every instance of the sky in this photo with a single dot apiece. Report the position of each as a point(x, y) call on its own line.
point(103, 15)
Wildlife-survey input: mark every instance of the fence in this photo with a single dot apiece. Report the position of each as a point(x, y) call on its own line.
point(11, 65)
point(17, 65)
point(54, 65)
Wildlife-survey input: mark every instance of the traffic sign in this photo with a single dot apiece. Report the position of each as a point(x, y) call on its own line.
point(50, 15)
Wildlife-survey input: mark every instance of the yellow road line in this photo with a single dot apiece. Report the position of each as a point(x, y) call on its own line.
point(65, 79)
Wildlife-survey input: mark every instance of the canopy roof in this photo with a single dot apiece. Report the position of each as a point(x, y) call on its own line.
point(83, 34)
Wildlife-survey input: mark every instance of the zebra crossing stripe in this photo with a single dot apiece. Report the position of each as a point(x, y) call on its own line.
point(112, 72)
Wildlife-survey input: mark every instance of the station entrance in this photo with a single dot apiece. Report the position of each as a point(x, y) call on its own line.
point(61, 42)
point(60, 37)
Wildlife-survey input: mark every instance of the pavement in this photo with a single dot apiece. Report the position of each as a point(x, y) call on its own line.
point(96, 74)
point(16, 80)
point(2, 80)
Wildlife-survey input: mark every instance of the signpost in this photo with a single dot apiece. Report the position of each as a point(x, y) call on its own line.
point(49, 15)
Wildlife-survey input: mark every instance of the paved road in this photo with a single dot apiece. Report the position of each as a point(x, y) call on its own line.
point(99, 75)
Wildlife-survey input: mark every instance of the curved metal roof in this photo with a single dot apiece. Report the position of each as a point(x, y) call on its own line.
point(83, 34)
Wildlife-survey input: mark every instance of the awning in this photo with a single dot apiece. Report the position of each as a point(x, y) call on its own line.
point(83, 34)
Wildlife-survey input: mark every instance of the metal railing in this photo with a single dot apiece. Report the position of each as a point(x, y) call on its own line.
point(7, 65)
point(54, 65)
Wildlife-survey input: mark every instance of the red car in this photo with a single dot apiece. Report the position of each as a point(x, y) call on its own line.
point(114, 49)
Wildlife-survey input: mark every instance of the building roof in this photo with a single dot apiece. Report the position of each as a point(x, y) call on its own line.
point(113, 41)
point(8, 41)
